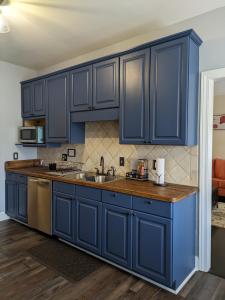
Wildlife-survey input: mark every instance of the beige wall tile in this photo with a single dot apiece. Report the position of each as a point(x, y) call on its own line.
point(102, 138)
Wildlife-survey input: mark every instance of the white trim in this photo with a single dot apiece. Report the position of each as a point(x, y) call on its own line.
point(205, 165)
point(134, 273)
point(3, 216)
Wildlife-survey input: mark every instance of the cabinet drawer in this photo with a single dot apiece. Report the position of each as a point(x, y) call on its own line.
point(11, 176)
point(118, 199)
point(87, 192)
point(21, 178)
point(16, 177)
point(155, 207)
point(64, 188)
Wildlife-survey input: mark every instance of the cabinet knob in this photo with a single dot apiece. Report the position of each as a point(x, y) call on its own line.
point(148, 202)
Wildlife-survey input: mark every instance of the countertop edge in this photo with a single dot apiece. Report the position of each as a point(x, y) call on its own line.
point(108, 186)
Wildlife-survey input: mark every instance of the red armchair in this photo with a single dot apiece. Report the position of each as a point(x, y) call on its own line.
point(218, 175)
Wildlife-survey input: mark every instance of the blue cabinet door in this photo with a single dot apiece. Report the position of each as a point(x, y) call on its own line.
point(81, 89)
point(168, 92)
point(152, 244)
point(27, 100)
point(21, 210)
point(106, 84)
point(88, 224)
point(134, 97)
point(11, 198)
point(63, 216)
point(57, 97)
point(38, 98)
point(116, 235)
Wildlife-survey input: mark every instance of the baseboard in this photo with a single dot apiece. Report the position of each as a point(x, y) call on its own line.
point(197, 263)
point(3, 216)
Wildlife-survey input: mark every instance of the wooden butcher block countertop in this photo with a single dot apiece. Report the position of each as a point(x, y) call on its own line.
point(169, 193)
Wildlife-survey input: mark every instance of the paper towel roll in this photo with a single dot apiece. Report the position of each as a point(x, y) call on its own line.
point(160, 170)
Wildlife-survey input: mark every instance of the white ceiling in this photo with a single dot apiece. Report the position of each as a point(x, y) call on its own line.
point(47, 32)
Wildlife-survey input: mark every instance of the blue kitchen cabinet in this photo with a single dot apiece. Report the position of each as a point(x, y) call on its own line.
point(81, 89)
point(33, 101)
point(57, 98)
point(174, 92)
point(106, 84)
point(21, 213)
point(134, 97)
point(11, 198)
point(152, 247)
point(16, 196)
point(88, 224)
point(38, 98)
point(63, 216)
point(27, 100)
point(169, 115)
point(116, 234)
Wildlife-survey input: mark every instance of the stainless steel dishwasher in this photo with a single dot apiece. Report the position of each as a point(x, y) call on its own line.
point(40, 204)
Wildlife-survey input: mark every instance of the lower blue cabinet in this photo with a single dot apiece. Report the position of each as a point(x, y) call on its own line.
point(11, 198)
point(116, 235)
point(152, 247)
point(63, 217)
point(22, 203)
point(16, 196)
point(88, 224)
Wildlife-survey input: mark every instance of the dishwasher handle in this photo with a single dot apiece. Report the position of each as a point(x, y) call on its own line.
point(43, 181)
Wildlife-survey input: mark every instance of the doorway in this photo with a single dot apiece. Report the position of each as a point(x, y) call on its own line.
point(208, 80)
point(218, 180)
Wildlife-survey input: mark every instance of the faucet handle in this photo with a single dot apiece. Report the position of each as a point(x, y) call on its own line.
point(113, 170)
point(97, 170)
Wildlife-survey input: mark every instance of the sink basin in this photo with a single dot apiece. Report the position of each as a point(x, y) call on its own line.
point(100, 178)
point(92, 177)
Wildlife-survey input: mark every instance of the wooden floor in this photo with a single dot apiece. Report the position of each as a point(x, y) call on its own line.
point(22, 277)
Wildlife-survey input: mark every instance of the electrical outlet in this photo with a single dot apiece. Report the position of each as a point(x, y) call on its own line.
point(64, 157)
point(15, 155)
point(122, 162)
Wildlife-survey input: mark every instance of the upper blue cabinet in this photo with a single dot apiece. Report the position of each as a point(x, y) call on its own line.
point(81, 89)
point(32, 96)
point(134, 97)
point(106, 84)
point(57, 98)
point(174, 93)
point(95, 86)
point(169, 116)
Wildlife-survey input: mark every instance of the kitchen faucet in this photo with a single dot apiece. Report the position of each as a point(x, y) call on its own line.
point(102, 164)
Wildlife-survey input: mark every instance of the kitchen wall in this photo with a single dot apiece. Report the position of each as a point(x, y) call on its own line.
point(219, 135)
point(102, 138)
point(209, 26)
point(10, 118)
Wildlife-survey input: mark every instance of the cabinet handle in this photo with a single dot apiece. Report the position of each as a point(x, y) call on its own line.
point(113, 195)
point(148, 202)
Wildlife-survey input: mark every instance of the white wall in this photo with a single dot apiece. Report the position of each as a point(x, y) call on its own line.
point(10, 118)
point(219, 135)
point(209, 26)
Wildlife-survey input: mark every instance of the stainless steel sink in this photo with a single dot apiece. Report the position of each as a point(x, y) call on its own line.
point(100, 178)
point(92, 177)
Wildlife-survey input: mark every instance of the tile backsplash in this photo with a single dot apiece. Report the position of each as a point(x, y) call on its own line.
point(102, 138)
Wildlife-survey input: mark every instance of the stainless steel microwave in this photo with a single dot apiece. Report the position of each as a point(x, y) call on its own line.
point(31, 135)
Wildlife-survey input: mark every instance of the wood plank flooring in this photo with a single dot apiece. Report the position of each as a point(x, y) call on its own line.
point(22, 277)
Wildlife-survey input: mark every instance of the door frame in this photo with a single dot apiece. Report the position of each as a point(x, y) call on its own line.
point(205, 165)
